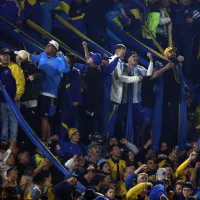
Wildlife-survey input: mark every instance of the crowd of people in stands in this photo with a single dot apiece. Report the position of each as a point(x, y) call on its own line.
point(122, 130)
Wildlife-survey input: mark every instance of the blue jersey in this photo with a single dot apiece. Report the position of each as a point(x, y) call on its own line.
point(53, 67)
point(70, 149)
point(157, 191)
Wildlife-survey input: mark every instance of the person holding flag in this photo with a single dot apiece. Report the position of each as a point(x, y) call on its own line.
point(173, 109)
point(132, 95)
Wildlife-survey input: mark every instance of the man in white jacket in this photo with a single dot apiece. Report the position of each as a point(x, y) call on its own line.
point(118, 78)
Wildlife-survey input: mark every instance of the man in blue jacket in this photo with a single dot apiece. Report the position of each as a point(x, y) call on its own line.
point(53, 64)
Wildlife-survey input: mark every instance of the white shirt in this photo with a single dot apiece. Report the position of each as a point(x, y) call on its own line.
point(138, 71)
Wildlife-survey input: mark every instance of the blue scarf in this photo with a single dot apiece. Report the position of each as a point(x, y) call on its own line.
point(182, 126)
point(182, 118)
point(130, 135)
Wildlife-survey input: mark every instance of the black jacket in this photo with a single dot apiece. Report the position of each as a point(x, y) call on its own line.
point(32, 88)
point(64, 191)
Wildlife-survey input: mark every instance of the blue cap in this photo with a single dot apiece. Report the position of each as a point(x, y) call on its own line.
point(5, 51)
point(96, 58)
point(158, 64)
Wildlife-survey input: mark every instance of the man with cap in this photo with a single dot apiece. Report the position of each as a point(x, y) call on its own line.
point(71, 148)
point(34, 77)
point(52, 64)
point(70, 96)
point(150, 85)
point(171, 95)
point(94, 154)
point(12, 78)
point(92, 93)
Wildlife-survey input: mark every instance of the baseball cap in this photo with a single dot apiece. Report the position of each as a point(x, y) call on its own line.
point(92, 144)
point(55, 44)
point(5, 51)
point(22, 54)
point(101, 161)
point(96, 58)
point(167, 50)
point(161, 174)
point(158, 64)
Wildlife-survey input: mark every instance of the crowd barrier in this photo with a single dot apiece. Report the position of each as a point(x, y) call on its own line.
point(34, 138)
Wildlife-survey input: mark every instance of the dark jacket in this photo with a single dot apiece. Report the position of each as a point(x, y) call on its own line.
point(32, 88)
point(93, 88)
point(70, 89)
point(9, 82)
point(64, 191)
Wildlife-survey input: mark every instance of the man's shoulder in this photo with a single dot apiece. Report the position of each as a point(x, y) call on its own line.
point(141, 67)
point(12, 64)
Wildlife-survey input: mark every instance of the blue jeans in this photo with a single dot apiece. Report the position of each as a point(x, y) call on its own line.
point(9, 121)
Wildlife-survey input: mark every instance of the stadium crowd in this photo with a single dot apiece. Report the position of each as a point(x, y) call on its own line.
point(122, 130)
